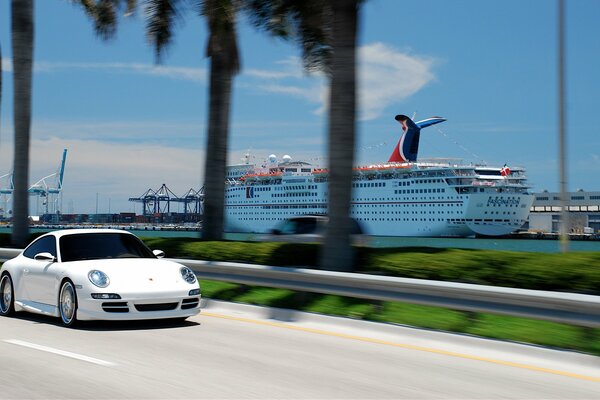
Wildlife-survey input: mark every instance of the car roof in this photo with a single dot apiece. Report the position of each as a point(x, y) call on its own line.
point(307, 216)
point(67, 232)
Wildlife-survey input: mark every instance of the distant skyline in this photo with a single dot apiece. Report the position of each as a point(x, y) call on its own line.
point(129, 124)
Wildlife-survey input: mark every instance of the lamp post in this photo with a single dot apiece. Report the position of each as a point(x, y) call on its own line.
point(564, 216)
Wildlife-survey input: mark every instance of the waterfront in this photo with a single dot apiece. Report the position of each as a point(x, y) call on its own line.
point(533, 245)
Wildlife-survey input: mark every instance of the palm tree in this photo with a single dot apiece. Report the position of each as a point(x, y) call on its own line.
point(223, 52)
point(327, 33)
point(337, 253)
point(22, 47)
point(224, 65)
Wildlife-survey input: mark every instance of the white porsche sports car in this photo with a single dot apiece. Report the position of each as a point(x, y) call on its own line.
point(97, 274)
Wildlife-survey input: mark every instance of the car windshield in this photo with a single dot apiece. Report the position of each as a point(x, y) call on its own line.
point(94, 246)
point(298, 226)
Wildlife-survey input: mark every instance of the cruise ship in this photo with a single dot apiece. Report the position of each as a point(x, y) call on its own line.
point(401, 197)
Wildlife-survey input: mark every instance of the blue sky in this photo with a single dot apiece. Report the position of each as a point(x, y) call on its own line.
point(489, 67)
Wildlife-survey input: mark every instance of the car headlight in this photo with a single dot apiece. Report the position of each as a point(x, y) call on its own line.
point(98, 278)
point(188, 275)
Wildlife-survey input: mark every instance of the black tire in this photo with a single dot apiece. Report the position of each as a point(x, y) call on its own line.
point(67, 304)
point(7, 295)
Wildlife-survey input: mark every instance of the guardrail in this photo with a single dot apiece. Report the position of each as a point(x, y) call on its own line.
point(571, 308)
point(7, 254)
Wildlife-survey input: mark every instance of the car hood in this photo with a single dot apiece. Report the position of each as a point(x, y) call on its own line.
point(126, 271)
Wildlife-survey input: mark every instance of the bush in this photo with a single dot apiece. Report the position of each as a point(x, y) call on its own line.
point(573, 272)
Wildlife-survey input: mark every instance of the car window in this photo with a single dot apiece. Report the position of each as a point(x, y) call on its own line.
point(44, 244)
point(288, 227)
point(94, 246)
point(356, 228)
point(306, 225)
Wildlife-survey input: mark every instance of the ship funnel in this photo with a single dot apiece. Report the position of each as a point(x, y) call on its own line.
point(407, 148)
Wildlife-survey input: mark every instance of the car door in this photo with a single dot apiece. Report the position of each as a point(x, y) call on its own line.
point(39, 276)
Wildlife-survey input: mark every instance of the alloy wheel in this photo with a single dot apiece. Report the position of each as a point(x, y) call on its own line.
point(6, 295)
point(67, 304)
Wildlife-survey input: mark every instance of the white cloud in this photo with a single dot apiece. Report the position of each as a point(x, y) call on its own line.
point(267, 74)
point(149, 130)
point(386, 76)
point(291, 67)
point(7, 65)
point(183, 73)
point(312, 94)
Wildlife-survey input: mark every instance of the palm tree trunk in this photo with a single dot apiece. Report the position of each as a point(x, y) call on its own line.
point(337, 253)
point(22, 46)
point(221, 78)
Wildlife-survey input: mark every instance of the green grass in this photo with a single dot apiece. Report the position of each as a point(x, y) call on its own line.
point(515, 329)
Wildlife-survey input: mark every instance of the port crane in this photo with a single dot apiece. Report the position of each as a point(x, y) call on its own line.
point(50, 187)
point(5, 193)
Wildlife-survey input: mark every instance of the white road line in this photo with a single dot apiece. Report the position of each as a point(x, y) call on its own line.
point(60, 352)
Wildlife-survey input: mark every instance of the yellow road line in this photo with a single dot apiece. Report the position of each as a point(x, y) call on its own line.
point(405, 346)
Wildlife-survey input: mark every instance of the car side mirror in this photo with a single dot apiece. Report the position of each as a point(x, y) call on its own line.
point(45, 256)
point(158, 253)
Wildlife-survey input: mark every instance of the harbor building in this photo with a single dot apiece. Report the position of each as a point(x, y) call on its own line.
point(583, 207)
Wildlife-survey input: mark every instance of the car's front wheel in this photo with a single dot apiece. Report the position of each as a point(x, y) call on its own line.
point(67, 304)
point(7, 297)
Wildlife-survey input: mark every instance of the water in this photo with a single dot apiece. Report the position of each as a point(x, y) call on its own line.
point(544, 246)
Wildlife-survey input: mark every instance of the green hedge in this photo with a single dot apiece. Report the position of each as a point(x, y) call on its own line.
point(281, 254)
point(573, 272)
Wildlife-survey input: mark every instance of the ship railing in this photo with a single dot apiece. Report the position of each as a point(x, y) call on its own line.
point(443, 161)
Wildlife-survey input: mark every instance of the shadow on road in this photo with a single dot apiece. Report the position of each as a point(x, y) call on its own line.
point(150, 324)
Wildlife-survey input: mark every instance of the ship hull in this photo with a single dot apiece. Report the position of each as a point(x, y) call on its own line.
point(413, 216)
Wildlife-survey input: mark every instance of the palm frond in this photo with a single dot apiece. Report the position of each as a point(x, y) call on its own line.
point(307, 22)
point(161, 17)
point(221, 18)
point(104, 14)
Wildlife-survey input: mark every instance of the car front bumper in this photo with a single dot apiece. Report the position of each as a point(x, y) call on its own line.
point(139, 307)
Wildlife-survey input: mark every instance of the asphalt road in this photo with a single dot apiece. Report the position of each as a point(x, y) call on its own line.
point(229, 353)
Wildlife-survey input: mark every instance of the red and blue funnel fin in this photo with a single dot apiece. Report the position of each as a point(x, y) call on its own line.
point(429, 121)
point(408, 146)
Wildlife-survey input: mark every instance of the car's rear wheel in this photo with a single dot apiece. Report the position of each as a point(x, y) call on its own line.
point(67, 304)
point(7, 297)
